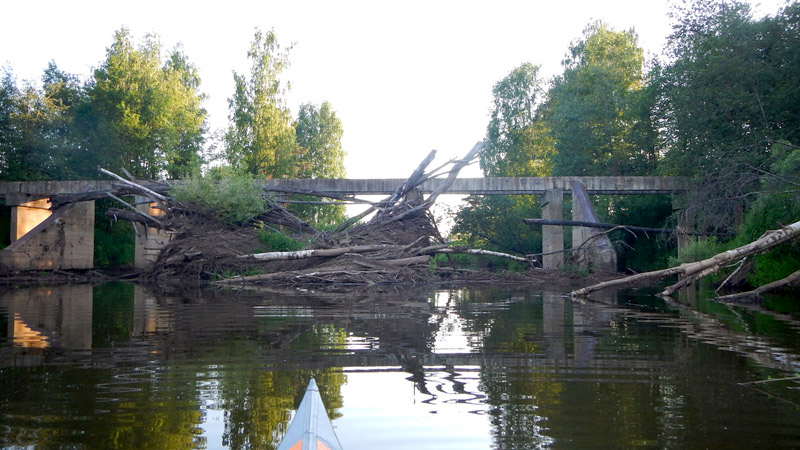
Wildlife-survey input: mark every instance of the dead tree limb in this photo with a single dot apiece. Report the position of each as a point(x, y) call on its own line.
point(756, 293)
point(312, 253)
point(605, 225)
point(147, 217)
point(133, 217)
point(135, 186)
point(444, 248)
point(695, 270)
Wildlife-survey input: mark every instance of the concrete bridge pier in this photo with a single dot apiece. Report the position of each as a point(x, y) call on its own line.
point(149, 241)
point(552, 235)
point(42, 239)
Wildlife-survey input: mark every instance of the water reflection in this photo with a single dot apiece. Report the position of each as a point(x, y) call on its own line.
point(118, 366)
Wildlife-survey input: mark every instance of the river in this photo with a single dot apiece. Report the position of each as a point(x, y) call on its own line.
point(118, 366)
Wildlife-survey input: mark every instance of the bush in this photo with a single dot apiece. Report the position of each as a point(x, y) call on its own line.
point(770, 212)
point(113, 240)
point(700, 249)
point(279, 242)
point(233, 199)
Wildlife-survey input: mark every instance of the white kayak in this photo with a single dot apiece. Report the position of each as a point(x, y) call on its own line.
point(310, 429)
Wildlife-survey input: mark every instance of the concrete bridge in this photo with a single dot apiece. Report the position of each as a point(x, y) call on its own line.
point(43, 240)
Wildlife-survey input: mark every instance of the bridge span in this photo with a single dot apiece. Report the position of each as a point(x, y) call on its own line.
point(43, 240)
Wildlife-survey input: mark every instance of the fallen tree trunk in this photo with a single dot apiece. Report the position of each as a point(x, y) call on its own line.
point(605, 225)
point(756, 293)
point(476, 251)
point(696, 270)
point(312, 253)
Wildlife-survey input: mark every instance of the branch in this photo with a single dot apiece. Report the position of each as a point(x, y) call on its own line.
point(147, 217)
point(579, 223)
point(756, 293)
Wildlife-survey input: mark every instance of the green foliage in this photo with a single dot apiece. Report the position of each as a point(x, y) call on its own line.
point(640, 252)
point(139, 111)
point(233, 200)
point(319, 135)
point(596, 110)
point(113, 241)
point(35, 126)
point(319, 138)
point(495, 223)
point(770, 212)
point(700, 249)
point(279, 242)
point(516, 143)
point(143, 111)
point(260, 139)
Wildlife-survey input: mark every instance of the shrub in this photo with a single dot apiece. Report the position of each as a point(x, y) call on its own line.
point(279, 242)
point(233, 199)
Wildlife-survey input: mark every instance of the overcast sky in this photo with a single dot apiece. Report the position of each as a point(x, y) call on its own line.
point(404, 77)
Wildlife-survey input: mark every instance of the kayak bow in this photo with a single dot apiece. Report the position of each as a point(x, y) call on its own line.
point(310, 429)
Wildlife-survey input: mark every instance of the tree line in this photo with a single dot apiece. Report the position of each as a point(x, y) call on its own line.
point(719, 105)
point(142, 109)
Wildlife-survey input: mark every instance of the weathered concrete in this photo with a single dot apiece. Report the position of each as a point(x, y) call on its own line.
point(499, 185)
point(461, 186)
point(43, 241)
point(599, 253)
point(553, 235)
point(149, 241)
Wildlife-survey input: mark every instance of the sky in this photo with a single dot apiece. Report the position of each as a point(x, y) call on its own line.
point(404, 77)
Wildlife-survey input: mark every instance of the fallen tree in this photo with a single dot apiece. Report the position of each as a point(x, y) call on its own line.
point(691, 272)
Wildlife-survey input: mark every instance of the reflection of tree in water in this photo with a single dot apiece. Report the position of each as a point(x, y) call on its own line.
point(258, 401)
point(154, 410)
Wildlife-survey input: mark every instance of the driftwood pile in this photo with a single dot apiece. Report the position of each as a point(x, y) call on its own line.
point(394, 245)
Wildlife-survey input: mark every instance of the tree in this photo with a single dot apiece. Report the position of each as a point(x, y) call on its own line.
point(319, 138)
point(35, 126)
point(728, 96)
point(594, 108)
point(143, 113)
point(261, 139)
point(517, 144)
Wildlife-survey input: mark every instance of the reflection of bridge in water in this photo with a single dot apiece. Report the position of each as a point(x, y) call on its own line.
point(64, 238)
point(67, 323)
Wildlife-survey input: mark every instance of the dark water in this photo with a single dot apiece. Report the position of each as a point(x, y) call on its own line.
point(117, 367)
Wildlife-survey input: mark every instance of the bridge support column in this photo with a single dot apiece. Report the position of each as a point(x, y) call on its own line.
point(149, 241)
point(42, 239)
point(596, 250)
point(552, 235)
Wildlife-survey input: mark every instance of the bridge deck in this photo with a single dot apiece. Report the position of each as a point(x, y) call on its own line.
point(463, 186)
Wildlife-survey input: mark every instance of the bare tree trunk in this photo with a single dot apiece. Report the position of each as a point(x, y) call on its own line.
point(696, 270)
point(327, 252)
point(756, 293)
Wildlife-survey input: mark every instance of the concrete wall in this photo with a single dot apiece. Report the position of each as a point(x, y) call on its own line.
point(149, 241)
point(67, 243)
